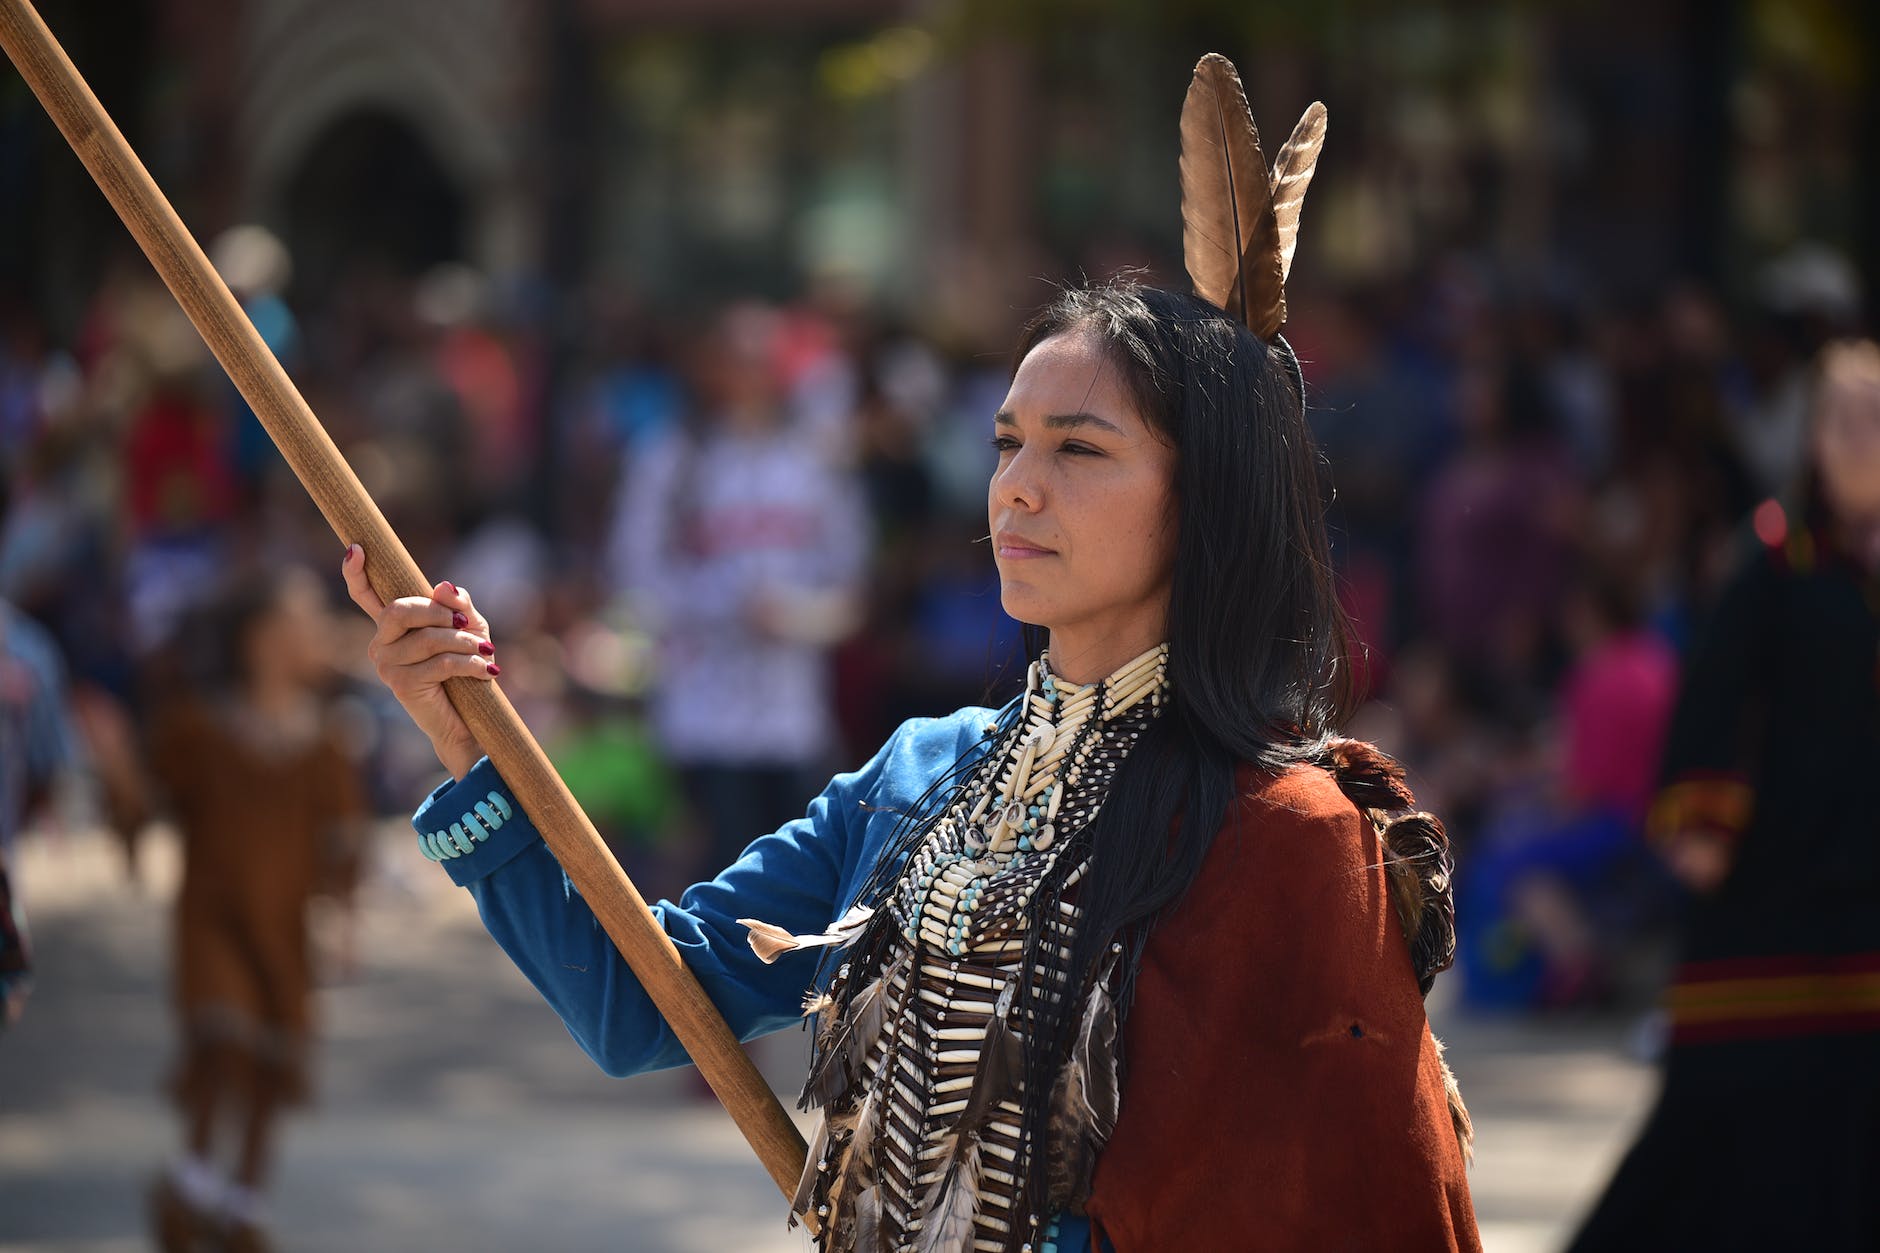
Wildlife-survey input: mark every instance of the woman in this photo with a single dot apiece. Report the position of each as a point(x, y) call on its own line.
point(1767, 1131)
point(1122, 964)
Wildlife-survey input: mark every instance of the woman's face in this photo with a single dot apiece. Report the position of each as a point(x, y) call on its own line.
point(1082, 504)
point(1847, 447)
point(289, 641)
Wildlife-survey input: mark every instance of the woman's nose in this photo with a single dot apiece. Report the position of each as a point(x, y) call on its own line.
point(1015, 486)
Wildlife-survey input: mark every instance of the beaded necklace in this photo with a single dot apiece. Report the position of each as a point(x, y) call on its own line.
point(982, 851)
point(921, 1143)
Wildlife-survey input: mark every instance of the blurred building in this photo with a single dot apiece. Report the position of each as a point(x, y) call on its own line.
point(941, 157)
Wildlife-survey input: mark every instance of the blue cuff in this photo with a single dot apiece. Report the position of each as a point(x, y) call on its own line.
point(473, 825)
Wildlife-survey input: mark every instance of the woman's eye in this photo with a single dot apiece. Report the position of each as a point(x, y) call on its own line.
point(1005, 443)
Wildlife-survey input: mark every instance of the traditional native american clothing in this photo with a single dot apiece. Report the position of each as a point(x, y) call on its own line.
point(262, 813)
point(1281, 1086)
point(1250, 1069)
point(1767, 1131)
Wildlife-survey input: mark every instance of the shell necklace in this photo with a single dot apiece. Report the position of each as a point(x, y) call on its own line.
point(1016, 822)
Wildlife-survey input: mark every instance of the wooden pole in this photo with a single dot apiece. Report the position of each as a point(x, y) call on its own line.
point(356, 519)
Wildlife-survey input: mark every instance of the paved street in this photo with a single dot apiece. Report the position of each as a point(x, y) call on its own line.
point(455, 1113)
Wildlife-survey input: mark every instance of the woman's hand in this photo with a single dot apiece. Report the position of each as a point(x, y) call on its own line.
point(420, 642)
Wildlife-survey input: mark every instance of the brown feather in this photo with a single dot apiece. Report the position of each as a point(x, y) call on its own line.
point(833, 1134)
point(1084, 1103)
point(1368, 775)
point(841, 1210)
point(868, 1014)
point(843, 1047)
point(1292, 174)
point(1407, 895)
point(769, 941)
point(812, 1167)
point(1230, 237)
point(859, 1163)
point(857, 1175)
point(952, 1204)
point(1001, 1058)
point(829, 1074)
point(870, 1231)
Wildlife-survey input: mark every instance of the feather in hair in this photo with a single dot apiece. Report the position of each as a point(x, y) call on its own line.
point(1292, 174)
point(1230, 236)
point(953, 1204)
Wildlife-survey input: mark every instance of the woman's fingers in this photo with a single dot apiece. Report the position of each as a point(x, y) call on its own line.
point(454, 599)
point(423, 643)
point(419, 643)
point(414, 632)
point(412, 613)
point(458, 600)
point(453, 666)
point(353, 566)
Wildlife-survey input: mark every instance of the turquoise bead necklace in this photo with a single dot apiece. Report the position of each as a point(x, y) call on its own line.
point(1006, 831)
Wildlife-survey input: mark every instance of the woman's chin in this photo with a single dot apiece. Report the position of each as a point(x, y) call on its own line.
point(1022, 602)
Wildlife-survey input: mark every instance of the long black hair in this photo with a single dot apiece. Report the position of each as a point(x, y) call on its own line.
point(1257, 638)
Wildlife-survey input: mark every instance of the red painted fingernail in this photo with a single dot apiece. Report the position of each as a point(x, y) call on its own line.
point(458, 619)
point(450, 587)
point(494, 669)
point(486, 648)
point(346, 556)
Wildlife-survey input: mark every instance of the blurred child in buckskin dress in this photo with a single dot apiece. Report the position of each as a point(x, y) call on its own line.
point(266, 800)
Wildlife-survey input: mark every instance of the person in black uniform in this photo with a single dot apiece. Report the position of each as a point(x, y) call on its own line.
point(1766, 1134)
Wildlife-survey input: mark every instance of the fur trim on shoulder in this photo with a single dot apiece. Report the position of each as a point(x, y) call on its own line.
point(1459, 1118)
point(1371, 777)
point(1416, 848)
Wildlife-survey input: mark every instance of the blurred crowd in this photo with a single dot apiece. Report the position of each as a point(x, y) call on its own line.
point(726, 551)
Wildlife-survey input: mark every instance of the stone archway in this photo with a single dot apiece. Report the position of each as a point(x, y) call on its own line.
point(346, 86)
point(368, 189)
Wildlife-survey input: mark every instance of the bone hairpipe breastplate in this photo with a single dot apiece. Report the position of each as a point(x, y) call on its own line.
point(922, 1147)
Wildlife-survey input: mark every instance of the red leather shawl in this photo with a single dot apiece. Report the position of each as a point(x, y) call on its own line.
point(1283, 1090)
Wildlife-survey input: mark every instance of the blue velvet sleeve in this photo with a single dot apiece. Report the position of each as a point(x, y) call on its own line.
point(799, 877)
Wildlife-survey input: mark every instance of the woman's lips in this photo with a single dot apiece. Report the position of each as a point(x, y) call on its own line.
point(1011, 548)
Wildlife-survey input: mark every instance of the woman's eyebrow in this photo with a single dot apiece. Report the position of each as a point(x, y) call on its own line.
point(1062, 421)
